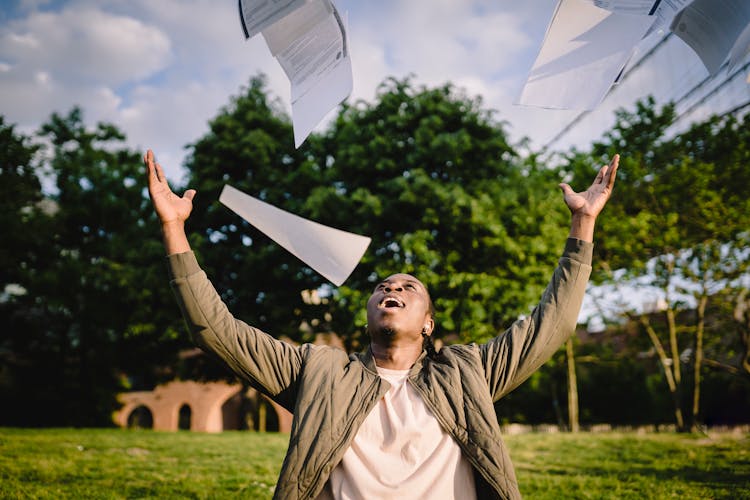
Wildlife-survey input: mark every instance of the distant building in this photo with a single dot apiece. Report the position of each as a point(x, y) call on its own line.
point(206, 406)
point(200, 407)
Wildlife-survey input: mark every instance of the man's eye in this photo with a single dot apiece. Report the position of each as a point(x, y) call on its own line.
point(411, 287)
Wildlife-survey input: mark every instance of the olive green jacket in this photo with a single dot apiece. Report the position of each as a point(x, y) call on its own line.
point(330, 393)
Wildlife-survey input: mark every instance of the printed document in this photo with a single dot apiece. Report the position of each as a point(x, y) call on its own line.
point(310, 43)
point(712, 28)
point(584, 51)
point(256, 15)
point(633, 7)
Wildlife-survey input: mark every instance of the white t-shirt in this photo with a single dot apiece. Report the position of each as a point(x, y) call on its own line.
point(400, 452)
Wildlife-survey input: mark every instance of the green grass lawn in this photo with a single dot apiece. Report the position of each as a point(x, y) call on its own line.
point(99, 463)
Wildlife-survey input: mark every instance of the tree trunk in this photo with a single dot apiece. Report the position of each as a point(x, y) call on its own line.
point(742, 317)
point(672, 326)
point(573, 424)
point(262, 409)
point(674, 347)
point(666, 364)
point(698, 360)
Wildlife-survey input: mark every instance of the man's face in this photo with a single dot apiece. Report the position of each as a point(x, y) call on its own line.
point(399, 306)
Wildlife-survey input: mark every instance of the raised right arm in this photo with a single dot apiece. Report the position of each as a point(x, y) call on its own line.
point(270, 365)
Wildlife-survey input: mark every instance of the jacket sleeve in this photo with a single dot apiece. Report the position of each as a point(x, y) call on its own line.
point(270, 365)
point(511, 357)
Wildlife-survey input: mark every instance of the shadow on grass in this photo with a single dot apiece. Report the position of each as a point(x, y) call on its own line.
point(736, 480)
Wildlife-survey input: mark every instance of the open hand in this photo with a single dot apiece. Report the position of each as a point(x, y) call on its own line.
point(169, 207)
point(589, 203)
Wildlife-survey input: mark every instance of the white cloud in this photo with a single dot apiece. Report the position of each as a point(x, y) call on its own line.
point(31, 5)
point(84, 45)
point(158, 70)
point(486, 47)
point(369, 66)
point(21, 41)
point(42, 78)
point(166, 119)
point(440, 39)
point(161, 70)
point(77, 56)
point(29, 102)
point(168, 116)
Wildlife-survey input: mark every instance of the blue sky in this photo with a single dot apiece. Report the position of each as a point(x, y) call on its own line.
point(161, 69)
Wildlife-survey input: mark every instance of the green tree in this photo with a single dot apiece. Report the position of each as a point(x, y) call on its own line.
point(20, 231)
point(427, 173)
point(678, 223)
point(249, 146)
point(96, 305)
point(430, 176)
point(21, 195)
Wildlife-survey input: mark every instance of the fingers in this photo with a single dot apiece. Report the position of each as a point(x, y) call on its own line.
point(601, 174)
point(615, 160)
point(566, 189)
point(613, 171)
point(607, 173)
point(157, 181)
point(148, 161)
point(148, 158)
point(160, 173)
point(154, 171)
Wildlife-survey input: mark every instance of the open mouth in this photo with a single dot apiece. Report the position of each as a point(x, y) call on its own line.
point(389, 302)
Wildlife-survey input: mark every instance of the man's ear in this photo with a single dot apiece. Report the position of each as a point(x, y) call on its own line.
point(429, 325)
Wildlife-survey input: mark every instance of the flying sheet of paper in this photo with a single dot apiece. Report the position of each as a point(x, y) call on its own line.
point(256, 15)
point(331, 252)
point(311, 46)
point(711, 28)
point(740, 49)
point(309, 39)
point(633, 7)
point(583, 52)
point(665, 12)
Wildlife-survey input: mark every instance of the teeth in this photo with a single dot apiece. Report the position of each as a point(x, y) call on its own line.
point(391, 302)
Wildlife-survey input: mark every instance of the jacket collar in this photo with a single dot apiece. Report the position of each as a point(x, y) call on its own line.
point(368, 359)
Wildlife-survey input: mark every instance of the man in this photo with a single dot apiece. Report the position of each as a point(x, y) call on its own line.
point(399, 420)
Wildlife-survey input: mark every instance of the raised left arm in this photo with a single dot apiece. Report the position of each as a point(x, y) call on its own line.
point(511, 357)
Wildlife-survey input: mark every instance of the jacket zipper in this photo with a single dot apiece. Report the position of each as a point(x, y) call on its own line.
point(361, 415)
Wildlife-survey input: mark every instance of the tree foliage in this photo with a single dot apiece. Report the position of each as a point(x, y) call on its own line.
point(95, 304)
point(21, 195)
point(428, 174)
point(678, 224)
point(249, 147)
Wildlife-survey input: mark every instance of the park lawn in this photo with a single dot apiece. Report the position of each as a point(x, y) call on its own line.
point(621, 465)
point(113, 463)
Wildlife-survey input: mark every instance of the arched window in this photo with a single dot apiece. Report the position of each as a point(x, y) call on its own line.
point(141, 418)
point(186, 415)
point(231, 413)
